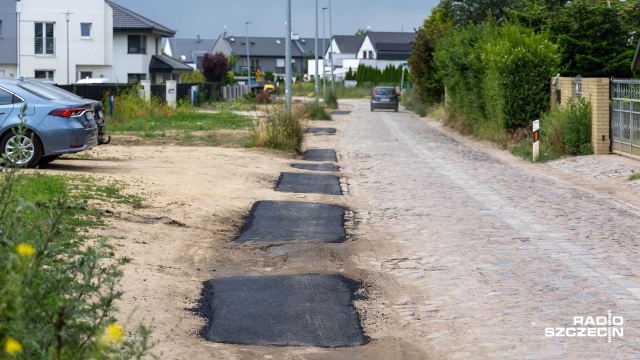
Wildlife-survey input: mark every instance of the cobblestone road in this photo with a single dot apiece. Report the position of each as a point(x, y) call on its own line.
point(489, 252)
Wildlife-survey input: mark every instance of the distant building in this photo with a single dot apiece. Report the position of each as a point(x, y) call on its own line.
point(188, 51)
point(267, 53)
point(380, 49)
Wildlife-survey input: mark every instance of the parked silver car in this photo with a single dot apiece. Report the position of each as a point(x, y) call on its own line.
point(55, 122)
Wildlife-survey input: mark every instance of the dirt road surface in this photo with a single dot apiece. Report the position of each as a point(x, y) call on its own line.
point(464, 251)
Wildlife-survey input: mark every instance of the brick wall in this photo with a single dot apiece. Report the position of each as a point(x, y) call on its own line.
point(596, 90)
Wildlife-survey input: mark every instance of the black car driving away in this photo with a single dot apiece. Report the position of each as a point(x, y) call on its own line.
point(384, 97)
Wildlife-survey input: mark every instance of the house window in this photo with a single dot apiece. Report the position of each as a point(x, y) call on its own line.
point(136, 78)
point(198, 61)
point(44, 40)
point(44, 74)
point(370, 54)
point(255, 64)
point(85, 74)
point(85, 30)
point(280, 66)
point(0, 28)
point(137, 44)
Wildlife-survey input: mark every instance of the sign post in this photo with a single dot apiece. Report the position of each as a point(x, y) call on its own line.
point(536, 140)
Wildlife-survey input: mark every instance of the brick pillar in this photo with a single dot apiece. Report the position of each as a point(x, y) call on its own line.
point(597, 90)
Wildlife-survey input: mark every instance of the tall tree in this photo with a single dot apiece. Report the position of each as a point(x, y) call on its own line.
point(215, 67)
point(428, 84)
point(597, 37)
point(465, 12)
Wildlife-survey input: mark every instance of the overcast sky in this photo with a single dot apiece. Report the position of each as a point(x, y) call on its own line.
point(208, 17)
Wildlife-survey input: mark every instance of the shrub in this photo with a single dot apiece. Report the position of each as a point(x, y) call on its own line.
point(215, 67)
point(57, 289)
point(568, 130)
point(331, 101)
point(193, 77)
point(281, 129)
point(317, 111)
point(577, 132)
point(263, 98)
point(411, 102)
point(496, 73)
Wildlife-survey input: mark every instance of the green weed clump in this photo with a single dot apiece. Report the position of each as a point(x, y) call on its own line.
point(634, 176)
point(58, 288)
point(281, 129)
point(411, 102)
point(317, 111)
point(331, 101)
point(568, 130)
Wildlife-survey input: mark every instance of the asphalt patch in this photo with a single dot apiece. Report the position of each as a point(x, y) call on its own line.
point(321, 155)
point(322, 131)
point(288, 221)
point(282, 310)
point(326, 184)
point(316, 167)
point(341, 112)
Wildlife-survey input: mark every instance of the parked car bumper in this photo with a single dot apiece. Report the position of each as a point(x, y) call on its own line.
point(383, 104)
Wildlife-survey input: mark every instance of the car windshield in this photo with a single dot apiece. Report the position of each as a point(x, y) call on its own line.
point(46, 91)
point(384, 91)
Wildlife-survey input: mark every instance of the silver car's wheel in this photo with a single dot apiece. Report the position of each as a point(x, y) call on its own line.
point(21, 149)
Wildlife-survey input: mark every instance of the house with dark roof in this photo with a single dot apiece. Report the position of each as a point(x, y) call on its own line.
point(96, 38)
point(344, 47)
point(137, 49)
point(380, 49)
point(188, 51)
point(266, 53)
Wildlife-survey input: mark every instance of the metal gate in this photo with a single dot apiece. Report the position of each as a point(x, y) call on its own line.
point(625, 116)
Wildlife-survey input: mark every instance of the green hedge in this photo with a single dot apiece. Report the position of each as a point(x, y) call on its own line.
point(496, 73)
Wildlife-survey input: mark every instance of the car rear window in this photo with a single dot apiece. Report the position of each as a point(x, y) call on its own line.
point(384, 91)
point(46, 91)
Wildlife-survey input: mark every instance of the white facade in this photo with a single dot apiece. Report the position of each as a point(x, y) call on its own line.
point(367, 51)
point(90, 33)
point(126, 64)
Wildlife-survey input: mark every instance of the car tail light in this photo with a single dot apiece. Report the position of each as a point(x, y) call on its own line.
point(66, 113)
point(394, 91)
point(374, 91)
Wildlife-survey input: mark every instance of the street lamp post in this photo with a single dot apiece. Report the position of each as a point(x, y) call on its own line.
point(315, 79)
point(331, 46)
point(287, 81)
point(67, 16)
point(324, 60)
point(248, 59)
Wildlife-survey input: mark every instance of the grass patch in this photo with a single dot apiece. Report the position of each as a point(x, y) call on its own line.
point(59, 283)
point(190, 121)
point(316, 111)
point(341, 92)
point(634, 176)
point(280, 129)
point(524, 150)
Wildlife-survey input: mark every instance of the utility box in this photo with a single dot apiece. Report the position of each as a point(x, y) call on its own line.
point(172, 93)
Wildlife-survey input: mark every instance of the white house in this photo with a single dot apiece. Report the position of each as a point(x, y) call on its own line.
point(65, 41)
point(380, 49)
point(137, 49)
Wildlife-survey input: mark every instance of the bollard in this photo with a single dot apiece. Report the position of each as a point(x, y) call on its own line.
point(111, 105)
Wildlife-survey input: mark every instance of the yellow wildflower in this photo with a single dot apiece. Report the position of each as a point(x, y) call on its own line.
point(113, 334)
point(13, 346)
point(25, 250)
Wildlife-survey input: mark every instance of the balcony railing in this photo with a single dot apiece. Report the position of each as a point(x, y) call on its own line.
point(45, 46)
